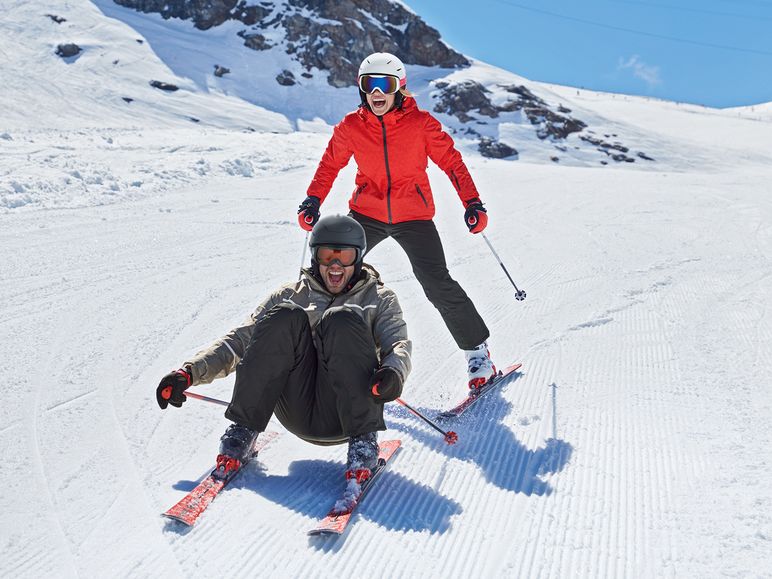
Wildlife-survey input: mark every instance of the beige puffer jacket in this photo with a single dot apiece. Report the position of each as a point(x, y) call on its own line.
point(377, 305)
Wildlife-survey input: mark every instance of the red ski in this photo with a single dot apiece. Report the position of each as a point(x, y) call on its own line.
point(476, 394)
point(196, 501)
point(335, 523)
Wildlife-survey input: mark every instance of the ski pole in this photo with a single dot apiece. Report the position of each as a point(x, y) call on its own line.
point(303, 258)
point(166, 393)
point(520, 294)
point(450, 436)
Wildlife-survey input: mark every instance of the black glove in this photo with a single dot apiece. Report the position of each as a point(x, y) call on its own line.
point(308, 212)
point(171, 388)
point(387, 384)
point(475, 216)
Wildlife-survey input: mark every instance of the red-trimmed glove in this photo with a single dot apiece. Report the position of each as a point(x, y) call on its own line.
point(475, 216)
point(308, 212)
point(387, 384)
point(172, 387)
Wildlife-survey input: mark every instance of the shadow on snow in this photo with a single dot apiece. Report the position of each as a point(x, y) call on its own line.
point(312, 486)
point(484, 439)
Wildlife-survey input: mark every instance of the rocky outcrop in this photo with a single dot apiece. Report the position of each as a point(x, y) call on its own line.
point(468, 100)
point(68, 50)
point(286, 78)
point(462, 98)
point(328, 35)
point(204, 13)
point(495, 149)
point(616, 150)
point(165, 86)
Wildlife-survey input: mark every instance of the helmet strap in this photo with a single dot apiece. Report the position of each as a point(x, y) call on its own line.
point(399, 100)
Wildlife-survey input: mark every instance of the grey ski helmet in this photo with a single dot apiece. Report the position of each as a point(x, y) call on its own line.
point(338, 231)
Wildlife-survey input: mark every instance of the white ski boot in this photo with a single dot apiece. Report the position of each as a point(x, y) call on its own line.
point(479, 366)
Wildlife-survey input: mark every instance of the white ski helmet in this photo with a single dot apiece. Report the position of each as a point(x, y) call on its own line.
point(383, 63)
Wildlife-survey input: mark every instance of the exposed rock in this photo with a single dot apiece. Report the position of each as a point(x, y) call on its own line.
point(466, 98)
point(220, 71)
point(57, 19)
point(462, 98)
point(331, 35)
point(555, 159)
point(605, 147)
point(68, 50)
point(204, 13)
point(643, 155)
point(255, 41)
point(164, 85)
point(286, 78)
point(495, 149)
point(128, 99)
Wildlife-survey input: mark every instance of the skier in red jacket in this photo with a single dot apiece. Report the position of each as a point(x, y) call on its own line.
point(391, 140)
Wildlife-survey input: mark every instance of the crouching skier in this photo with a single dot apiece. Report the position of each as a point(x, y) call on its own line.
point(324, 354)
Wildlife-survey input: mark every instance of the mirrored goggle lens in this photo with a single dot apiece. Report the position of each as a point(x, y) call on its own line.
point(386, 84)
point(345, 255)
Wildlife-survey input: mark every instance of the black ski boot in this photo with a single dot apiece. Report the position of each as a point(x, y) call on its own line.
point(236, 448)
point(362, 456)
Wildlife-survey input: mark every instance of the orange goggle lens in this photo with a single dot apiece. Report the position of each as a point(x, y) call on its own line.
point(369, 83)
point(346, 256)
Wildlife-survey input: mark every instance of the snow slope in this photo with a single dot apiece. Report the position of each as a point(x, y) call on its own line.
point(635, 443)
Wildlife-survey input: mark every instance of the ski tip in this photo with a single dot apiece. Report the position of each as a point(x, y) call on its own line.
point(512, 368)
point(176, 519)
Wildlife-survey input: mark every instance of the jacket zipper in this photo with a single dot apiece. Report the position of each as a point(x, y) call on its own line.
point(388, 171)
point(417, 188)
point(358, 191)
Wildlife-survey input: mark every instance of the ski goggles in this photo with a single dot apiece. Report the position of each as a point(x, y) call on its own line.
point(326, 255)
point(369, 83)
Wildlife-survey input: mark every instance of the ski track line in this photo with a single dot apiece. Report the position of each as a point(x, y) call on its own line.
point(541, 370)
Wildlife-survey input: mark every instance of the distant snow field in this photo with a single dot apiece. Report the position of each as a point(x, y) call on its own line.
point(635, 443)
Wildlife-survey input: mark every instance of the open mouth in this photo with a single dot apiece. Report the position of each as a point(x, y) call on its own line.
point(378, 102)
point(335, 277)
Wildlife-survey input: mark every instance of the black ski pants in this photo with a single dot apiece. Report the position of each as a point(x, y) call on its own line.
point(421, 242)
point(317, 385)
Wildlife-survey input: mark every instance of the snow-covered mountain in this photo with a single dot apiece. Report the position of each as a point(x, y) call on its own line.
point(137, 224)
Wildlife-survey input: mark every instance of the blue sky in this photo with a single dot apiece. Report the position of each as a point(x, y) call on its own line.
point(712, 52)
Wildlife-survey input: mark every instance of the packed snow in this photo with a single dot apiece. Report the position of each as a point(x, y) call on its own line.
point(635, 442)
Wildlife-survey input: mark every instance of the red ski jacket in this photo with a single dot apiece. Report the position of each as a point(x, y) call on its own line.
point(391, 153)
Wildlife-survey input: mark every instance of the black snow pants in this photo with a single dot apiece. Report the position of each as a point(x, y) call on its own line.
point(318, 386)
point(421, 242)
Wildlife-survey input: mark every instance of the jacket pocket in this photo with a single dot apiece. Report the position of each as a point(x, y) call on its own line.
point(417, 188)
point(358, 191)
